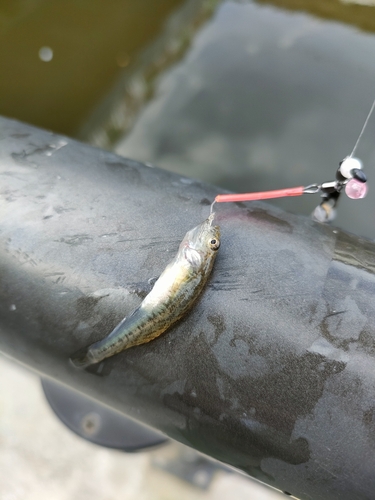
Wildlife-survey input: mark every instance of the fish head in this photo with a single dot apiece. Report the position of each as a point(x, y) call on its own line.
point(201, 243)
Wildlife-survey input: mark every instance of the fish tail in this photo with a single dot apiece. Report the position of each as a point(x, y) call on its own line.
point(83, 358)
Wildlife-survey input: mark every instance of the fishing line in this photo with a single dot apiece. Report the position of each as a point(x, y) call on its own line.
point(363, 129)
point(212, 206)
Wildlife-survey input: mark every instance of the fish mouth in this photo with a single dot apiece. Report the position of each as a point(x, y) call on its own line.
point(197, 236)
point(210, 219)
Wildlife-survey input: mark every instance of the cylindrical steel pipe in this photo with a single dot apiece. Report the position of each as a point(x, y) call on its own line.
point(273, 369)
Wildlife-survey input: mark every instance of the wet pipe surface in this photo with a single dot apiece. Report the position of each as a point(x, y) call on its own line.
point(272, 370)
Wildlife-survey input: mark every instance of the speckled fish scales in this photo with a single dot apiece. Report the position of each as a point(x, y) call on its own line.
point(172, 295)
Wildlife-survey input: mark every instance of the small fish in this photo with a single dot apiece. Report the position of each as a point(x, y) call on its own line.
point(172, 295)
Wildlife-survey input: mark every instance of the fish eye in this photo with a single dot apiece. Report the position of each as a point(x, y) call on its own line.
point(214, 244)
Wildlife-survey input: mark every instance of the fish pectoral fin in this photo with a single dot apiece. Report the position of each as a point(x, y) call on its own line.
point(193, 257)
point(152, 282)
point(142, 288)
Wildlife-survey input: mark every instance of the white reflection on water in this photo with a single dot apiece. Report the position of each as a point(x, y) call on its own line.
point(370, 3)
point(45, 54)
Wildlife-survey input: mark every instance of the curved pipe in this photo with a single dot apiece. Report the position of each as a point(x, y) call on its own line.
point(272, 371)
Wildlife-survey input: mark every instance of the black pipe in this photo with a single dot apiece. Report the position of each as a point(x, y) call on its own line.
point(272, 372)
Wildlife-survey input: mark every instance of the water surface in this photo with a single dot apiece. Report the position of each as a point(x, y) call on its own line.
point(265, 98)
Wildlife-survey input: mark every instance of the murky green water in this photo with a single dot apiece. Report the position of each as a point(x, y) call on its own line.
point(247, 95)
point(92, 41)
